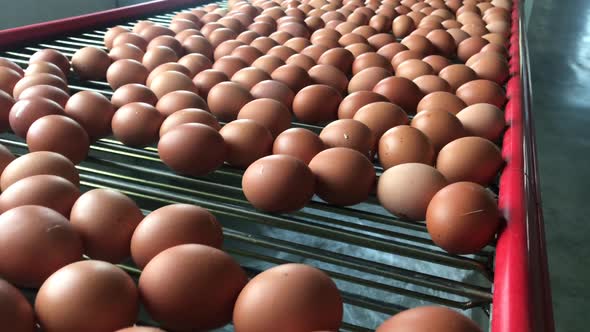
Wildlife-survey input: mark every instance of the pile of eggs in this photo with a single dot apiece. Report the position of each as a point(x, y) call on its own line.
point(415, 87)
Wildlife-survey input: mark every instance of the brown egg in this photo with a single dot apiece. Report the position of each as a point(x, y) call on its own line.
point(451, 24)
point(423, 319)
point(183, 35)
point(351, 134)
point(318, 305)
point(246, 141)
point(151, 32)
point(40, 232)
point(281, 52)
point(297, 43)
point(268, 63)
point(458, 35)
point(403, 26)
point(299, 143)
point(470, 47)
point(169, 66)
point(195, 63)
point(140, 329)
point(457, 75)
point(492, 47)
point(247, 37)
point(413, 68)
point(137, 124)
point(26, 111)
point(269, 113)
point(178, 100)
point(174, 225)
point(406, 189)
point(198, 44)
point(351, 38)
point(126, 51)
point(105, 219)
point(329, 75)
point(405, 144)
point(359, 48)
point(431, 83)
point(130, 38)
point(11, 65)
point(227, 109)
point(367, 79)
point(34, 68)
point(126, 71)
point(465, 227)
point(250, 76)
point(97, 288)
point(419, 44)
point(170, 81)
point(496, 38)
point(316, 104)
point(263, 44)
point(344, 176)
point(226, 48)
point(369, 60)
point(404, 56)
point(293, 76)
point(470, 158)
point(380, 40)
point(437, 62)
point(52, 56)
point(50, 191)
point(483, 120)
point(16, 314)
point(314, 23)
point(190, 276)
point(133, 93)
point(179, 25)
point(38, 79)
point(6, 104)
point(140, 25)
point(302, 61)
point(442, 41)
point(380, 117)
point(207, 79)
point(278, 183)
point(44, 91)
point(482, 91)
point(111, 34)
point(490, 66)
point(179, 145)
point(354, 101)
point(441, 101)
point(189, 115)
point(91, 63)
point(247, 53)
point(38, 163)
point(390, 50)
point(158, 55)
point(439, 126)
point(338, 57)
point(92, 111)
point(314, 51)
point(475, 29)
point(400, 91)
point(381, 23)
point(229, 65)
point(58, 133)
point(273, 90)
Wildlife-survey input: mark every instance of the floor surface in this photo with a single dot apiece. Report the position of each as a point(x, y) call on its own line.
point(559, 41)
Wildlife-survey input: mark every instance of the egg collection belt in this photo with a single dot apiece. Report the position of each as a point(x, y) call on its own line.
point(381, 264)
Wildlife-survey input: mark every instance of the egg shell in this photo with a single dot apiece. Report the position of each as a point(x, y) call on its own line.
point(405, 144)
point(178, 100)
point(439, 126)
point(170, 81)
point(169, 66)
point(314, 51)
point(263, 44)
point(198, 44)
point(130, 38)
point(16, 314)
point(126, 71)
point(250, 76)
point(403, 56)
point(195, 63)
point(133, 93)
point(354, 101)
point(246, 141)
point(38, 79)
point(26, 111)
point(227, 109)
point(470, 158)
point(29, 231)
point(483, 120)
point(207, 79)
point(482, 91)
point(431, 83)
point(174, 225)
point(490, 66)
point(53, 56)
point(400, 91)
point(423, 319)
point(92, 111)
point(380, 117)
point(50, 191)
point(190, 276)
point(441, 101)
point(413, 68)
point(298, 142)
point(289, 296)
point(59, 134)
point(40, 67)
point(402, 26)
point(137, 124)
point(469, 47)
point(344, 176)
point(38, 163)
point(270, 113)
point(42, 91)
point(338, 57)
point(389, 51)
point(351, 134)
point(316, 104)
point(189, 115)
point(329, 75)
point(98, 288)
point(91, 63)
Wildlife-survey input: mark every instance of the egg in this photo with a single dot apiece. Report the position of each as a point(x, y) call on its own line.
point(380, 117)
point(16, 314)
point(247, 141)
point(52, 56)
point(42, 91)
point(49, 191)
point(354, 101)
point(351, 134)
point(441, 101)
point(26, 111)
point(469, 47)
point(316, 104)
point(99, 289)
point(390, 50)
point(126, 71)
point(126, 51)
point(247, 36)
point(229, 64)
point(39, 67)
point(250, 76)
point(207, 79)
point(431, 83)
point(38, 163)
point(178, 100)
point(137, 124)
point(442, 41)
point(457, 75)
point(400, 91)
point(130, 38)
point(178, 146)
point(263, 44)
point(227, 109)
point(425, 319)
point(369, 60)
point(289, 296)
point(439, 126)
point(367, 79)
point(92, 111)
point(413, 68)
point(329, 75)
point(268, 63)
point(133, 93)
point(6, 157)
point(297, 43)
point(470, 158)
point(38, 79)
point(190, 276)
point(174, 225)
point(405, 144)
point(8, 79)
point(293, 76)
point(198, 44)
point(281, 52)
point(344, 176)
point(490, 66)
point(270, 113)
point(59, 134)
point(402, 26)
point(482, 91)
point(483, 120)
point(278, 183)
point(189, 115)
point(30, 231)
point(169, 81)
point(403, 56)
point(91, 63)
point(437, 62)
point(9, 64)
point(158, 55)
point(298, 142)
point(195, 63)
point(314, 51)
point(6, 104)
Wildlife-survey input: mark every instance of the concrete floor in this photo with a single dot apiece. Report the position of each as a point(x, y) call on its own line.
point(559, 41)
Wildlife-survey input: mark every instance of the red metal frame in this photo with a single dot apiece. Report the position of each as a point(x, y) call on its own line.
point(522, 298)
